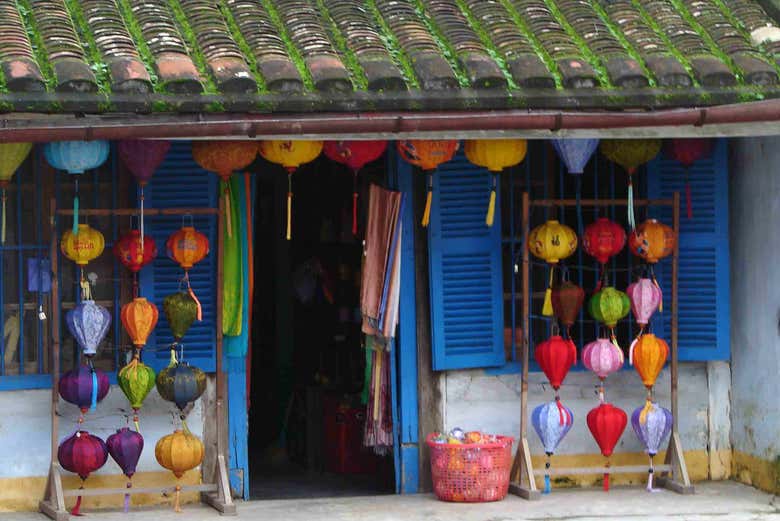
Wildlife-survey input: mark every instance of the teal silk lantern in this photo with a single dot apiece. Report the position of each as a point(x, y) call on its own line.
point(76, 157)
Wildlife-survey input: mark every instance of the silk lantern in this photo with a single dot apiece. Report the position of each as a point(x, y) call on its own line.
point(180, 382)
point(180, 310)
point(354, 155)
point(652, 241)
point(645, 297)
point(608, 306)
point(82, 453)
point(652, 424)
point(575, 154)
point(603, 358)
point(687, 151)
point(187, 247)
point(648, 355)
point(88, 322)
point(551, 421)
point(630, 154)
point(567, 299)
point(555, 356)
point(602, 240)
point(134, 251)
point(607, 423)
point(427, 155)
point(224, 158)
point(179, 452)
point(142, 157)
point(495, 155)
point(291, 155)
point(12, 155)
point(76, 157)
point(125, 447)
point(551, 242)
point(139, 317)
point(84, 387)
point(82, 248)
point(136, 380)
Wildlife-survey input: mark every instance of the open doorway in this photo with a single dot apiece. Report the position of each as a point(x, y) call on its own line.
point(308, 375)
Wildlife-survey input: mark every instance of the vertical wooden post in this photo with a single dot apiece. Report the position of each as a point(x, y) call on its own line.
point(675, 265)
point(55, 329)
point(220, 412)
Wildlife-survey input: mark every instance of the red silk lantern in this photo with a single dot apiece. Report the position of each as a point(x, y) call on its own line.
point(607, 423)
point(82, 453)
point(603, 239)
point(139, 317)
point(687, 151)
point(354, 155)
point(428, 155)
point(555, 356)
point(135, 251)
point(567, 299)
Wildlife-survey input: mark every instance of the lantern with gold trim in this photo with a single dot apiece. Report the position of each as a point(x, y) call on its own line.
point(630, 154)
point(290, 154)
point(82, 248)
point(427, 155)
point(12, 155)
point(551, 242)
point(495, 155)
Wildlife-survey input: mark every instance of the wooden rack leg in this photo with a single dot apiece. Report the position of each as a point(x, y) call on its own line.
point(523, 468)
point(221, 500)
point(53, 504)
point(678, 480)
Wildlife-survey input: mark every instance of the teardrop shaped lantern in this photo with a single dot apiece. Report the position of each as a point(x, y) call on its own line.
point(551, 242)
point(427, 155)
point(551, 421)
point(179, 452)
point(608, 306)
point(555, 356)
point(82, 453)
point(180, 383)
point(567, 299)
point(136, 380)
point(645, 297)
point(12, 155)
point(187, 247)
point(602, 240)
point(354, 155)
point(139, 317)
point(652, 424)
point(180, 310)
point(125, 447)
point(84, 387)
point(88, 322)
point(687, 151)
point(495, 155)
point(630, 154)
point(648, 355)
point(607, 423)
point(575, 154)
point(76, 157)
point(290, 155)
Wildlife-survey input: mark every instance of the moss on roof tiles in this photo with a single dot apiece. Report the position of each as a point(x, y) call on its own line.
point(292, 50)
point(339, 41)
point(193, 48)
point(134, 29)
point(761, 50)
point(91, 51)
point(249, 56)
point(392, 46)
point(446, 49)
point(36, 42)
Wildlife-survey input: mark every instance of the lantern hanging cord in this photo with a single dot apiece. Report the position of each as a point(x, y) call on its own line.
point(578, 196)
point(141, 200)
point(86, 288)
point(650, 471)
point(76, 209)
point(354, 201)
point(631, 218)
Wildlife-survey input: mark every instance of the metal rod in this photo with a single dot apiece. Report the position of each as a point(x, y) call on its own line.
point(103, 212)
point(601, 202)
point(675, 262)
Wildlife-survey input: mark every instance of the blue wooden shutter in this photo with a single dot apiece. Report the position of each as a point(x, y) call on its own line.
point(181, 183)
point(467, 320)
point(703, 278)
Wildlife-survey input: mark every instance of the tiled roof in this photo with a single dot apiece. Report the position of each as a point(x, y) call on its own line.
point(119, 55)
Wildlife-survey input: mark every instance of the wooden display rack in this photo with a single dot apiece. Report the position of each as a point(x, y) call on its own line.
point(215, 489)
point(673, 474)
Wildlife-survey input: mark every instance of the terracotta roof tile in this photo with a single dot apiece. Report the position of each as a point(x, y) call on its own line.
point(16, 55)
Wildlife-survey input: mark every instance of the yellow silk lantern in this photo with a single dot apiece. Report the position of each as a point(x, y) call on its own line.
point(139, 317)
point(84, 246)
point(179, 452)
point(291, 155)
point(495, 155)
point(630, 154)
point(551, 242)
point(648, 355)
point(12, 155)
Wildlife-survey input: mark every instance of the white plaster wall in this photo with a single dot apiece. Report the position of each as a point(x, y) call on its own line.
point(755, 296)
point(476, 401)
point(25, 428)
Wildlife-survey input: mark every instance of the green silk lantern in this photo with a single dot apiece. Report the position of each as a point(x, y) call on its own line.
point(608, 306)
point(180, 311)
point(630, 154)
point(136, 380)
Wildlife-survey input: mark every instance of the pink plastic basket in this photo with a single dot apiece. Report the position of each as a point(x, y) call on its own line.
point(471, 472)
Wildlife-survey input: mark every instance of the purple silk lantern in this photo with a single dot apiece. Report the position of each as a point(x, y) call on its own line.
point(645, 298)
point(652, 424)
point(84, 387)
point(88, 323)
point(125, 447)
point(602, 357)
point(575, 153)
point(551, 421)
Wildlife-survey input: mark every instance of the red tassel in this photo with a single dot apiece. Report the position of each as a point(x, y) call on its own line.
point(606, 482)
point(354, 212)
point(563, 417)
point(688, 203)
point(77, 507)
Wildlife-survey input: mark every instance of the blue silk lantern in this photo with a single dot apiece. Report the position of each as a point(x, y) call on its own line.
point(76, 157)
point(88, 323)
point(652, 424)
point(180, 382)
point(551, 421)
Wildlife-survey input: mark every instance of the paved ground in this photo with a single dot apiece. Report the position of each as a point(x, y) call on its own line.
point(725, 501)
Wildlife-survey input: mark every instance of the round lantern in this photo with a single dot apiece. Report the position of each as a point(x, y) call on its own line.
point(125, 447)
point(608, 306)
point(76, 157)
point(551, 421)
point(136, 380)
point(648, 355)
point(551, 242)
point(567, 299)
point(652, 424)
point(84, 246)
point(139, 317)
point(495, 155)
point(187, 247)
point(180, 383)
point(88, 322)
point(180, 310)
point(602, 240)
point(82, 453)
point(354, 155)
point(652, 241)
point(687, 151)
point(555, 356)
point(135, 252)
point(630, 154)
point(427, 155)
point(290, 155)
point(607, 423)
point(645, 297)
point(12, 155)
point(142, 157)
point(179, 452)
point(84, 387)
point(603, 358)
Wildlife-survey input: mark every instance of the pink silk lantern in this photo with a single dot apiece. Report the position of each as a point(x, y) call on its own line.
point(645, 297)
point(603, 358)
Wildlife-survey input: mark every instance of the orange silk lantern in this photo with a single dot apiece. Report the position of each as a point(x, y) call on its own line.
point(291, 155)
point(427, 155)
point(187, 247)
point(139, 317)
point(652, 241)
point(224, 158)
point(648, 355)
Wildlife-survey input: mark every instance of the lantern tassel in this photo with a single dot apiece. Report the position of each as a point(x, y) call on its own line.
point(563, 417)
point(3, 231)
point(631, 352)
point(660, 302)
point(127, 499)
point(177, 500)
point(228, 212)
point(354, 202)
point(76, 209)
point(491, 211)
point(426, 219)
point(76, 511)
point(199, 308)
point(289, 204)
point(547, 487)
point(650, 476)
point(142, 220)
point(645, 411)
point(135, 422)
point(547, 309)
point(93, 405)
point(606, 482)
point(631, 219)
